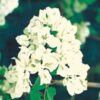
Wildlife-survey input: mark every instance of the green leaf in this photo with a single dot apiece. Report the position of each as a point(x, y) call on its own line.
point(2, 71)
point(37, 85)
point(52, 49)
point(87, 1)
point(1, 82)
point(0, 56)
point(6, 97)
point(93, 31)
point(98, 17)
point(50, 93)
point(35, 95)
point(54, 72)
point(54, 33)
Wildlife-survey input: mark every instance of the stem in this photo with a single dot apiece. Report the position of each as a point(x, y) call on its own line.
point(93, 85)
point(90, 84)
point(45, 92)
point(73, 98)
point(94, 38)
point(57, 82)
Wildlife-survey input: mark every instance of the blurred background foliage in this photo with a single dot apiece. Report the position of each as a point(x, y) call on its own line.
point(84, 13)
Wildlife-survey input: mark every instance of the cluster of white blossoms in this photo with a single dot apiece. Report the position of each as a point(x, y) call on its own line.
point(16, 81)
point(6, 7)
point(48, 44)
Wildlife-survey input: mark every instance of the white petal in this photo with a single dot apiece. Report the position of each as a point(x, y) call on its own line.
point(22, 40)
point(45, 76)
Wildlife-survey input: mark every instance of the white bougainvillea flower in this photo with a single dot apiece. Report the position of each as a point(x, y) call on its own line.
point(38, 55)
point(35, 60)
point(22, 40)
point(75, 85)
point(11, 74)
point(48, 14)
point(45, 76)
point(45, 59)
point(6, 7)
point(53, 41)
point(49, 61)
point(48, 44)
point(24, 55)
point(17, 81)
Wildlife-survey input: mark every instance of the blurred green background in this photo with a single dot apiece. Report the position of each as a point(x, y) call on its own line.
point(78, 11)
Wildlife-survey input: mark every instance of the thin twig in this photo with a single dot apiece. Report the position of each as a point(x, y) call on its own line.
point(93, 85)
point(45, 92)
point(72, 98)
point(90, 84)
point(94, 38)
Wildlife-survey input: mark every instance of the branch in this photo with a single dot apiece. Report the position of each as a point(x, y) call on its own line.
point(94, 38)
point(93, 85)
point(90, 84)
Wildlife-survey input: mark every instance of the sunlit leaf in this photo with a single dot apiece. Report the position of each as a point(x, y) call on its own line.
point(50, 93)
point(36, 86)
point(35, 95)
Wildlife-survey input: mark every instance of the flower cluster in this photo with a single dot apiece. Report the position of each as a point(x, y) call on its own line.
point(48, 44)
point(17, 81)
point(6, 7)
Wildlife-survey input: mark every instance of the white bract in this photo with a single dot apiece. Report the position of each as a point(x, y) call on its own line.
point(17, 81)
point(83, 31)
point(45, 76)
point(48, 44)
point(6, 7)
point(75, 85)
